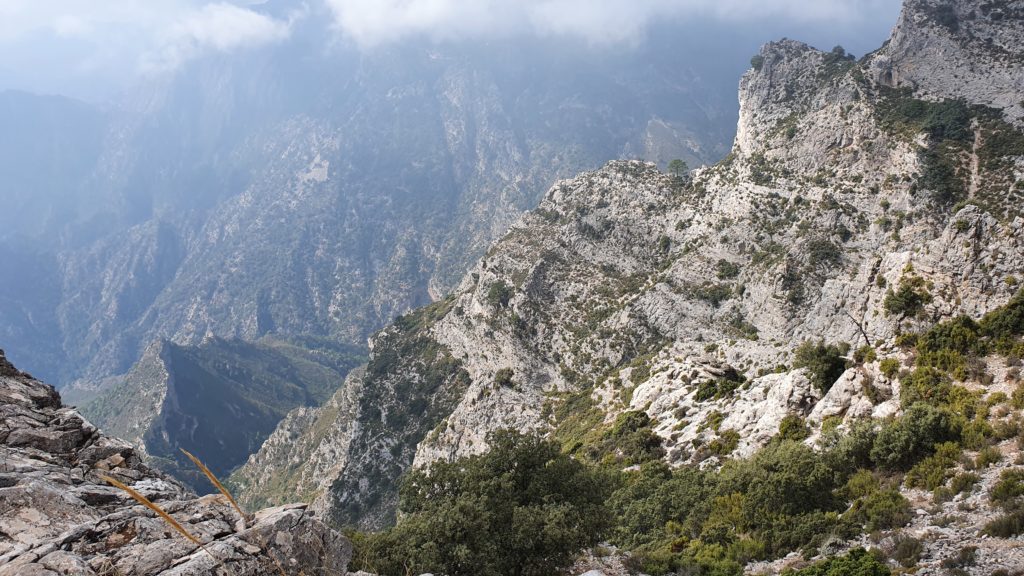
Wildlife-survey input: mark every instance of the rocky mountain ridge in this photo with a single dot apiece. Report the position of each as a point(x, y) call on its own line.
point(58, 515)
point(861, 203)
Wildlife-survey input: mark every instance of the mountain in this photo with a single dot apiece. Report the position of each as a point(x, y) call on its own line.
point(62, 515)
point(305, 192)
point(310, 188)
point(865, 204)
point(219, 399)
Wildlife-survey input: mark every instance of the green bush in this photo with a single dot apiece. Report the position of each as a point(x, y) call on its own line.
point(964, 482)
point(793, 428)
point(925, 385)
point(881, 510)
point(890, 367)
point(825, 363)
point(906, 550)
point(904, 441)
point(499, 294)
point(966, 556)
point(933, 471)
point(632, 439)
point(522, 508)
point(988, 456)
point(864, 355)
point(655, 496)
point(857, 562)
point(1009, 489)
point(909, 299)
point(1006, 526)
point(727, 270)
point(503, 377)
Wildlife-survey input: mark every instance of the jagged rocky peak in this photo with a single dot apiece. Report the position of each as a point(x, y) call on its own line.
point(969, 49)
point(59, 515)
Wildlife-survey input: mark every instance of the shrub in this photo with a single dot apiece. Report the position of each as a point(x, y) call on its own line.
point(654, 496)
point(925, 385)
point(1008, 489)
point(906, 550)
point(727, 270)
point(1005, 526)
point(785, 478)
point(909, 299)
point(987, 456)
point(522, 508)
point(793, 427)
point(632, 439)
point(823, 252)
point(713, 294)
point(890, 367)
point(913, 436)
point(864, 355)
point(932, 472)
point(825, 363)
point(886, 509)
point(857, 562)
point(964, 482)
point(499, 294)
point(503, 377)
point(966, 556)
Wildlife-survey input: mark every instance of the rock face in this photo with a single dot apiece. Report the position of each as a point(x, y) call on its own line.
point(927, 50)
point(58, 515)
point(628, 289)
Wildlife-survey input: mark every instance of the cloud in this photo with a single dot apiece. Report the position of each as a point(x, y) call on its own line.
point(372, 22)
point(222, 27)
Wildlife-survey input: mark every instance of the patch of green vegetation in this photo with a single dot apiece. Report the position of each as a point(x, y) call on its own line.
point(503, 378)
point(712, 293)
point(726, 270)
point(762, 171)
point(740, 327)
point(856, 562)
point(837, 63)
point(899, 111)
point(523, 508)
point(907, 440)
point(793, 428)
point(499, 294)
point(933, 471)
point(909, 299)
point(720, 388)
point(825, 363)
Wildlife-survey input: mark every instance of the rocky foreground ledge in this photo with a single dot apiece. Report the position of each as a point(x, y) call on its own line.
point(58, 516)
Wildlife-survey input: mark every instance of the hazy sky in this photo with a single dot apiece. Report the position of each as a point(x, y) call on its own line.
point(91, 48)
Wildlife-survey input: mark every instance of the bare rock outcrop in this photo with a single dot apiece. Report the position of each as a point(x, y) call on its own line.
point(59, 516)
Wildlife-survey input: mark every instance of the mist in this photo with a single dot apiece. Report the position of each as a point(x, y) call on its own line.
point(95, 51)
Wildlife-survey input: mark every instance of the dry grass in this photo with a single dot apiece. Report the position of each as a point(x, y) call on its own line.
point(213, 480)
point(266, 549)
point(160, 511)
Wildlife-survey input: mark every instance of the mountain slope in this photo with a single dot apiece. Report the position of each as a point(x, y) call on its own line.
point(219, 400)
point(852, 209)
point(301, 190)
